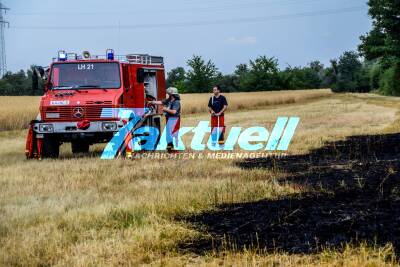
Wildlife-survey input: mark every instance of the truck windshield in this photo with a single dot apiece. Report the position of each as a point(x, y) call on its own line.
point(85, 75)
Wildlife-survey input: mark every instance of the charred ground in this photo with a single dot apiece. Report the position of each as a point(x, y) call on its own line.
point(353, 196)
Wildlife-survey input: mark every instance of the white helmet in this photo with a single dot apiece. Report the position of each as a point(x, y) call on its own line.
point(172, 91)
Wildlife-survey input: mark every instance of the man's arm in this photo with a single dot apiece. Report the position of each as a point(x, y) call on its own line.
point(224, 108)
point(170, 111)
point(222, 111)
point(210, 107)
point(156, 102)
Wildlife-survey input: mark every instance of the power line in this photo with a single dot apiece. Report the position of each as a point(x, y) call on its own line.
point(201, 23)
point(197, 9)
point(249, 5)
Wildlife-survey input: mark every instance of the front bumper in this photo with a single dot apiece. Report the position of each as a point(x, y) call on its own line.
point(72, 127)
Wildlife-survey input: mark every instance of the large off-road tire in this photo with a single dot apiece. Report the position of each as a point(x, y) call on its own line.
point(50, 148)
point(80, 147)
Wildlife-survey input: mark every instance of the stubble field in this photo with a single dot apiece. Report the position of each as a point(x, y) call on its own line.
point(334, 201)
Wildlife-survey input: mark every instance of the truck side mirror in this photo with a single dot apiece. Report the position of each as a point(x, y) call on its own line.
point(47, 86)
point(40, 71)
point(140, 75)
point(36, 73)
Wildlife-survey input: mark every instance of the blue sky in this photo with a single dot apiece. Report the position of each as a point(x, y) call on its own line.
point(228, 32)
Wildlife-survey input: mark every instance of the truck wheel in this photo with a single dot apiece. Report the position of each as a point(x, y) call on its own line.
point(50, 148)
point(80, 147)
point(156, 123)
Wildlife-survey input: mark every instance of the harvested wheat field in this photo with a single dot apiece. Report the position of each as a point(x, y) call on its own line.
point(334, 200)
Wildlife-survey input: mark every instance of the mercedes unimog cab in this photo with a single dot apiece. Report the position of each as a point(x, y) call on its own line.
point(81, 94)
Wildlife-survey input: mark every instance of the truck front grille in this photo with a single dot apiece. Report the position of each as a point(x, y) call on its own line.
point(75, 113)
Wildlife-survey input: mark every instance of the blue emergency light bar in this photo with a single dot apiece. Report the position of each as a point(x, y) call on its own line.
point(110, 55)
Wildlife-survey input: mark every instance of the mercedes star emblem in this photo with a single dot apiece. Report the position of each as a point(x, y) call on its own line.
point(78, 112)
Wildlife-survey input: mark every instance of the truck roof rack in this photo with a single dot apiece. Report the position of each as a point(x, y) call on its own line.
point(144, 59)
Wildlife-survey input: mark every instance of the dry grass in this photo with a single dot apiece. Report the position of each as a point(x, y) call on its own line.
point(85, 211)
point(16, 112)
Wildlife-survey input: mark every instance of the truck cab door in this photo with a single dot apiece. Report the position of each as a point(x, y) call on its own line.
point(134, 95)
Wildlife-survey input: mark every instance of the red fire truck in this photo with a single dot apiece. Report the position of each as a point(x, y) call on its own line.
point(81, 90)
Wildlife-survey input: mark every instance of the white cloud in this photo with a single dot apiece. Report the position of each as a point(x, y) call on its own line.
point(245, 40)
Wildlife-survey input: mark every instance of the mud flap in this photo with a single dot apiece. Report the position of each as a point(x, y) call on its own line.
point(30, 145)
point(33, 145)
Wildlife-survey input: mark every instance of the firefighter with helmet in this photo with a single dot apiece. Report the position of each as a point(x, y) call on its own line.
point(172, 112)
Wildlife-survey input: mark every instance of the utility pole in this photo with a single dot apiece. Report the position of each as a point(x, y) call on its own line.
point(3, 23)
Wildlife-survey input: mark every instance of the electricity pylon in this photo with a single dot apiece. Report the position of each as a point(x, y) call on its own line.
point(3, 23)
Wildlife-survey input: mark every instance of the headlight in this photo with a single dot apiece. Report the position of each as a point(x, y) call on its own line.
point(46, 128)
point(109, 126)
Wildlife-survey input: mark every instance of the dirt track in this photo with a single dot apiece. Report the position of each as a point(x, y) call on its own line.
point(353, 196)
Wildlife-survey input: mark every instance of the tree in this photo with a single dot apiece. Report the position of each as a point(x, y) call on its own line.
point(16, 84)
point(175, 76)
point(384, 38)
point(302, 77)
point(373, 45)
point(382, 43)
point(6, 88)
point(328, 79)
point(375, 75)
point(390, 80)
point(228, 83)
point(241, 70)
point(262, 76)
point(364, 78)
point(316, 66)
point(239, 75)
point(347, 71)
point(201, 75)
point(314, 74)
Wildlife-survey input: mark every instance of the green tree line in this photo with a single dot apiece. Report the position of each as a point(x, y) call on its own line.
point(18, 83)
point(260, 74)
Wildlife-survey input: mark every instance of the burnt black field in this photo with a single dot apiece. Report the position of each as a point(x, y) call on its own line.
point(353, 197)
